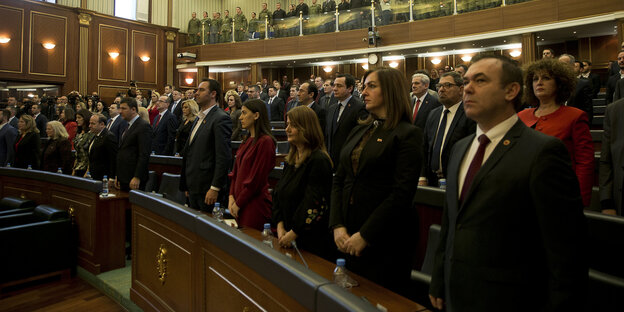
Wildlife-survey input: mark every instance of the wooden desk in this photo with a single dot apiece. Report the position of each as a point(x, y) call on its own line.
point(100, 221)
point(183, 260)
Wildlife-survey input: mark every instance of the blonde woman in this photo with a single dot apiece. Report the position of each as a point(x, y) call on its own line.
point(152, 109)
point(190, 109)
point(57, 152)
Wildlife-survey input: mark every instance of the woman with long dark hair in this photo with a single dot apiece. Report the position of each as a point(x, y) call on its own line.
point(250, 201)
point(234, 104)
point(81, 143)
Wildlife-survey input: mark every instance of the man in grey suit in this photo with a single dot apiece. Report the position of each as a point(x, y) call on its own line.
point(612, 159)
point(513, 231)
point(423, 102)
point(8, 134)
point(208, 153)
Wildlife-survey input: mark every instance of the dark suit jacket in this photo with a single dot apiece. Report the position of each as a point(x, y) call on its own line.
point(279, 14)
point(57, 154)
point(282, 94)
point(177, 111)
point(582, 98)
point(243, 96)
point(611, 85)
point(134, 152)
point(619, 90)
point(28, 151)
point(208, 157)
point(426, 106)
point(376, 200)
point(264, 96)
point(13, 122)
point(42, 122)
point(336, 136)
point(321, 114)
point(594, 81)
point(461, 126)
point(516, 243)
point(329, 6)
point(163, 135)
point(612, 158)
point(118, 127)
point(8, 134)
point(103, 155)
point(277, 109)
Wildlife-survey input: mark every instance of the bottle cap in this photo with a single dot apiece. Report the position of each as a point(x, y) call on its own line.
point(105, 177)
point(217, 204)
point(267, 226)
point(341, 262)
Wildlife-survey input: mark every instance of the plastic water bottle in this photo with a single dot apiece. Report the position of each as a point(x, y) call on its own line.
point(267, 235)
point(442, 184)
point(8, 165)
point(29, 167)
point(217, 213)
point(282, 164)
point(153, 153)
point(341, 275)
point(276, 150)
point(105, 186)
point(60, 170)
point(88, 176)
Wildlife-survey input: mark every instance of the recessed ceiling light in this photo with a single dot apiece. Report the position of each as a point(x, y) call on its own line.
point(542, 39)
point(504, 40)
point(574, 32)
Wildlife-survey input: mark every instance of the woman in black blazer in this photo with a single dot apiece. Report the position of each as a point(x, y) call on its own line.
point(27, 144)
point(57, 152)
point(301, 197)
point(189, 113)
point(377, 176)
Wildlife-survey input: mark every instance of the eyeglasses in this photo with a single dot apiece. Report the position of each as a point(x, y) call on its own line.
point(446, 85)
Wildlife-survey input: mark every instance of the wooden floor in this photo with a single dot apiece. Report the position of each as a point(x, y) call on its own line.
point(72, 295)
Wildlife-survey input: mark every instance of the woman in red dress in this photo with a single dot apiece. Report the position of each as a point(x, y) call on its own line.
point(250, 201)
point(152, 108)
point(549, 84)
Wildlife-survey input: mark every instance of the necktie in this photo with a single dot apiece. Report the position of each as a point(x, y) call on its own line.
point(437, 146)
point(110, 123)
point(200, 119)
point(475, 165)
point(157, 121)
point(416, 110)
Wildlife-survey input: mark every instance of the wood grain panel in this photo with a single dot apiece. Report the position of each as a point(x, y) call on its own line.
point(352, 39)
point(603, 50)
point(283, 46)
point(11, 26)
point(182, 76)
point(479, 22)
point(84, 214)
point(313, 42)
point(108, 93)
point(529, 13)
point(144, 44)
point(150, 233)
point(250, 49)
point(429, 29)
point(17, 188)
point(48, 28)
point(113, 39)
point(575, 8)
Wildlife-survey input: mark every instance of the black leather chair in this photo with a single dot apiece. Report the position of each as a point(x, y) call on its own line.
point(35, 243)
point(152, 181)
point(283, 147)
point(170, 188)
point(12, 205)
point(606, 259)
point(422, 279)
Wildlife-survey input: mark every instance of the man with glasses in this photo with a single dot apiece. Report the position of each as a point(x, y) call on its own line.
point(446, 125)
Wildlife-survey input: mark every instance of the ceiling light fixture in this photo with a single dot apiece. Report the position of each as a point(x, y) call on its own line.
point(365, 66)
point(145, 58)
point(327, 69)
point(436, 61)
point(394, 64)
point(515, 53)
point(114, 55)
point(466, 58)
point(5, 39)
point(48, 45)
point(189, 81)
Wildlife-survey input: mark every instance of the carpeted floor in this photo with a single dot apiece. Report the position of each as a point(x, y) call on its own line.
point(115, 284)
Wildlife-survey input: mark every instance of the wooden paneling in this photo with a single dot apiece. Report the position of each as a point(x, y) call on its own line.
point(48, 28)
point(182, 76)
point(108, 93)
point(568, 9)
point(113, 39)
point(486, 21)
point(532, 12)
point(11, 26)
point(603, 50)
point(144, 44)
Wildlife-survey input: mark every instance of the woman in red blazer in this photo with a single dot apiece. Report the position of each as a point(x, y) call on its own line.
point(549, 84)
point(68, 118)
point(250, 201)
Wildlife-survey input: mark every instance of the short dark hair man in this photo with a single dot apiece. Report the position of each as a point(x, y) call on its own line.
point(8, 134)
point(134, 148)
point(40, 119)
point(102, 150)
point(275, 105)
point(164, 128)
point(208, 151)
point(548, 53)
point(306, 94)
point(513, 226)
point(594, 79)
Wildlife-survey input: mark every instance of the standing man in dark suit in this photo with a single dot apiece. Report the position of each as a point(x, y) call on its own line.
point(240, 89)
point(594, 79)
point(102, 150)
point(423, 102)
point(176, 104)
point(275, 105)
point(446, 125)
point(208, 150)
point(513, 231)
point(8, 134)
point(13, 118)
point(280, 91)
point(581, 98)
point(612, 159)
point(342, 115)
point(40, 119)
point(307, 93)
point(116, 124)
point(134, 148)
point(613, 79)
point(164, 128)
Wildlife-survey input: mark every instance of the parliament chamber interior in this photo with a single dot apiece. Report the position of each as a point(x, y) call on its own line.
point(220, 155)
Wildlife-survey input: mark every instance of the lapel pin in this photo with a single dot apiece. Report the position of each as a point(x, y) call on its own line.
point(379, 140)
point(506, 142)
point(204, 121)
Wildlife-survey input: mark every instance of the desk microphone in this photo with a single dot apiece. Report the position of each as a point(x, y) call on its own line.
point(294, 244)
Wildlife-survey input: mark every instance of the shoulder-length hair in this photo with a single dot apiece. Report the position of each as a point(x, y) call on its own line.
point(395, 95)
point(70, 114)
point(29, 124)
point(262, 126)
point(86, 116)
point(237, 100)
point(60, 133)
point(193, 108)
point(306, 122)
point(561, 72)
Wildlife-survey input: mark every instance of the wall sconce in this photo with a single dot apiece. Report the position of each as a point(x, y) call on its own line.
point(5, 39)
point(114, 55)
point(466, 58)
point(394, 64)
point(327, 69)
point(515, 53)
point(145, 58)
point(365, 66)
point(48, 45)
point(189, 81)
point(436, 61)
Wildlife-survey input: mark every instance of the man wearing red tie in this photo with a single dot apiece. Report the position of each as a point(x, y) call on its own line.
point(513, 231)
point(422, 102)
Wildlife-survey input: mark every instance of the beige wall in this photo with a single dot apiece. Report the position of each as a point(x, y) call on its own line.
point(102, 6)
point(69, 3)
